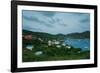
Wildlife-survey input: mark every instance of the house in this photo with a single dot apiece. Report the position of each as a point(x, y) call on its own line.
point(38, 53)
point(53, 42)
point(58, 46)
point(79, 52)
point(63, 44)
point(56, 42)
point(40, 39)
point(69, 47)
point(27, 37)
point(49, 43)
point(29, 47)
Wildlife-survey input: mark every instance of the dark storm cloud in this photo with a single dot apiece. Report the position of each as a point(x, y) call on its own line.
point(86, 20)
point(35, 19)
point(56, 22)
point(48, 13)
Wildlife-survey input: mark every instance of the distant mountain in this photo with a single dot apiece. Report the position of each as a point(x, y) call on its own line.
point(39, 34)
point(43, 35)
point(85, 34)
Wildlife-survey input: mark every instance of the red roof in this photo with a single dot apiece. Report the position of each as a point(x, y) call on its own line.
point(28, 37)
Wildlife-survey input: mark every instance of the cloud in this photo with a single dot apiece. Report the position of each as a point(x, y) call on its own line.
point(86, 20)
point(56, 22)
point(35, 19)
point(31, 18)
point(31, 28)
point(48, 13)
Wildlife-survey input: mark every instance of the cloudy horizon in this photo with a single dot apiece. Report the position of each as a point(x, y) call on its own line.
point(55, 22)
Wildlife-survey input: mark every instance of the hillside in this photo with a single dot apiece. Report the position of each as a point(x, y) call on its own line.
point(46, 51)
point(82, 35)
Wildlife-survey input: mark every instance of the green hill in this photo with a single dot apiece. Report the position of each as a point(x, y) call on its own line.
point(43, 35)
point(52, 53)
point(82, 35)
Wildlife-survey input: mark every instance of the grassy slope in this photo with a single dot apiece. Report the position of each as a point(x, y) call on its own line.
point(53, 53)
point(50, 53)
point(42, 35)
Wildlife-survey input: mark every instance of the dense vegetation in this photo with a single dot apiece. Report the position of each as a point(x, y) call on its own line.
point(42, 35)
point(82, 35)
point(51, 53)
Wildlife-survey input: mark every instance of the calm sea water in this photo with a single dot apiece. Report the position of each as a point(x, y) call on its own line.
point(84, 44)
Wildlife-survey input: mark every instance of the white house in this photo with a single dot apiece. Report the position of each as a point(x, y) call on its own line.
point(30, 47)
point(56, 42)
point(79, 52)
point(63, 44)
point(49, 43)
point(38, 53)
point(68, 47)
point(40, 39)
point(58, 46)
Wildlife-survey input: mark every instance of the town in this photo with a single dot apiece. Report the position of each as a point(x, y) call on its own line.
point(38, 49)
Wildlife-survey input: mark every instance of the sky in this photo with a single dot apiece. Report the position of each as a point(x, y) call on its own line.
point(55, 22)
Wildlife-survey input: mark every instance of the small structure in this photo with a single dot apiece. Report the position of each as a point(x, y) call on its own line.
point(49, 43)
point(30, 47)
point(40, 39)
point(38, 53)
point(63, 44)
point(79, 52)
point(58, 46)
point(27, 37)
point(56, 42)
point(69, 47)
